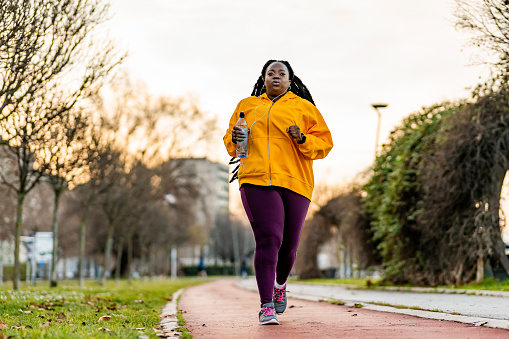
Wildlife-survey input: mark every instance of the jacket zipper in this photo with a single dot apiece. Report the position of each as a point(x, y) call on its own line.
point(268, 146)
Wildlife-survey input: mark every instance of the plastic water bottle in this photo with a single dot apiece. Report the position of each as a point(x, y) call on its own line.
point(242, 145)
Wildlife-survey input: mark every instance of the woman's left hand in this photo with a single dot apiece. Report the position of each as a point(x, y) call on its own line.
point(294, 132)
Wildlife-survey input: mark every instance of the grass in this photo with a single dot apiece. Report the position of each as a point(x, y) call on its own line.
point(68, 311)
point(489, 284)
point(182, 325)
point(411, 307)
point(357, 282)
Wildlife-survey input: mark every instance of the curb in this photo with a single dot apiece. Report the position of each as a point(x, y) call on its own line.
point(474, 321)
point(169, 322)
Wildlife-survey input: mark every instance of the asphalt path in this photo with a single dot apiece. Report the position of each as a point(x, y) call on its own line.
point(224, 309)
point(484, 307)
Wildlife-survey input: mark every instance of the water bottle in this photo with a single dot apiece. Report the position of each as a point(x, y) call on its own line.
point(242, 145)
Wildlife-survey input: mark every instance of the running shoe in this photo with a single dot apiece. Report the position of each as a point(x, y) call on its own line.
point(267, 315)
point(279, 299)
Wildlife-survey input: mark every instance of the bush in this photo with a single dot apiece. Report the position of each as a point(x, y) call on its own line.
point(9, 272)
point(212, 270)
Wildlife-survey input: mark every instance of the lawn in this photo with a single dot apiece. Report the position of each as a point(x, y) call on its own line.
point(68, 311)
point(489, 284)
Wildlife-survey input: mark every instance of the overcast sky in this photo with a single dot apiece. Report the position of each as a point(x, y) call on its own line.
point(350, 54)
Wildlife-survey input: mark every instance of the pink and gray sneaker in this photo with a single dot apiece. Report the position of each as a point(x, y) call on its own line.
point(279, 299)
point(267, 315)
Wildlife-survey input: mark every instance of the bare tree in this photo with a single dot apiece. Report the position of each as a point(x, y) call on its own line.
point(65, 157)
point(488, 21)
point(57, 47)
point(229, 236)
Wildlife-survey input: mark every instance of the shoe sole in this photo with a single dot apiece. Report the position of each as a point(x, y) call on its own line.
point(269, 322)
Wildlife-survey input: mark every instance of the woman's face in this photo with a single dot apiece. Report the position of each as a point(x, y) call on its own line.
point(277, 79)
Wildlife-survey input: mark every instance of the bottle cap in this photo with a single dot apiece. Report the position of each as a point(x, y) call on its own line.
point(241, 115)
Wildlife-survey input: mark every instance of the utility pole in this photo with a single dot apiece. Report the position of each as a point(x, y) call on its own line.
point(377, 109)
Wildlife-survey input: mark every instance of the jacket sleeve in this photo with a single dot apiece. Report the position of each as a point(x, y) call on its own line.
point(231, 148)
point(318, 137)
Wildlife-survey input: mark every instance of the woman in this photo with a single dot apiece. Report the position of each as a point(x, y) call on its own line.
point(286, 133)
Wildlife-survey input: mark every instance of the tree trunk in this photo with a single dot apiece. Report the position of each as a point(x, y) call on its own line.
point(151, 270)
point(118, 265)
point(81, 263)
point(130, 256)
point(167, 262)
point(64, 277)
point(107, 252)
point(17, 238)
point(480, 268)
point(54, 257)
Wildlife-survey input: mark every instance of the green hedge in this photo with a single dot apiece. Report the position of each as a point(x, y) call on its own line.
point(9, 272)
point(213, 270)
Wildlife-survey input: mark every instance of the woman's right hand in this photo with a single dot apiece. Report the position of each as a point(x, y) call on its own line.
point(237, 135)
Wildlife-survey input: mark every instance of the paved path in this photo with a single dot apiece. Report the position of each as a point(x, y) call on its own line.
point(494, 309)
point(221, 309)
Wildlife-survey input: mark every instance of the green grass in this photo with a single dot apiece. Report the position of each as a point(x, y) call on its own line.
point(489, 284)
point(68, 311)
point(357, 282)
point(182, 326)
point(411, 307)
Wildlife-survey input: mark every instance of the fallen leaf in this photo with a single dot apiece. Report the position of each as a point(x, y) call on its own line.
point(105, 318)
point(140, 328)
point(165, 315)
point(3, 326)
point(138, 301)
point(18, 328)
point(354, 315)
point(481, 323)
point(46, 324)
point(104, 329)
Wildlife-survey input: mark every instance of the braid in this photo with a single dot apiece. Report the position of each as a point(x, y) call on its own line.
point(296, 85)
point(259, 87)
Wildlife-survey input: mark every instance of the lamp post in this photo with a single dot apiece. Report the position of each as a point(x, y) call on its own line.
point(377, 107)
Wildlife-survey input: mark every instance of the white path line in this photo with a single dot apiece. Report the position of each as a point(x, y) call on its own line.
point(169, 322)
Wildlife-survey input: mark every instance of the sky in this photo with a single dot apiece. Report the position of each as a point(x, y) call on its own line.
point(350, 54)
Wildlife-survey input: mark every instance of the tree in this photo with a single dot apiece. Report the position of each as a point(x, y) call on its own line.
point(488, 21)
point(53, 44)
point(231, 239)
point(65, 157)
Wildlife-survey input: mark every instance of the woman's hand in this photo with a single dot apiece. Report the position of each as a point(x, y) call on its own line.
point(237, 135)
point(295, 132)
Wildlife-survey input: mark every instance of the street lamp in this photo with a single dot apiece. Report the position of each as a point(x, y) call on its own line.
point(377, 107)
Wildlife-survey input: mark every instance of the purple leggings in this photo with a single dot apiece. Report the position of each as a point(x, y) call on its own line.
point(276, 215)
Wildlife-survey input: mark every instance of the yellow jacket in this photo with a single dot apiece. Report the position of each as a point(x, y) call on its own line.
point(274, 157)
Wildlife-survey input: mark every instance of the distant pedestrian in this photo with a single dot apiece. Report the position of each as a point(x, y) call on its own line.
point(286, 133)
point(244, 269)
point(202, 272)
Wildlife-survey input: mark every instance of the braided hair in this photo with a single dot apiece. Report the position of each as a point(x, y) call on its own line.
point(296, 85)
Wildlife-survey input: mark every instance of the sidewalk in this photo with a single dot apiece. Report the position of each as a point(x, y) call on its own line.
point(220, 309)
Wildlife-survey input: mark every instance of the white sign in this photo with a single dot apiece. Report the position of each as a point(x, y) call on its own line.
point(43, 247)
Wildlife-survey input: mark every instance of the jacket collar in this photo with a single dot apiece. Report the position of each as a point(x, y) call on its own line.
point(288, 96)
